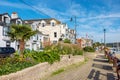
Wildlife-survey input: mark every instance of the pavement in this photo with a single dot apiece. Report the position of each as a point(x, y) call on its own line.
point(96, 68)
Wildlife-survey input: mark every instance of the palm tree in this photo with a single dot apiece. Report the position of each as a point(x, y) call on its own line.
point(21, 33)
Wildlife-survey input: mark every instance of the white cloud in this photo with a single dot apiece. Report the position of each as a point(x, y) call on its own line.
point(116, 15)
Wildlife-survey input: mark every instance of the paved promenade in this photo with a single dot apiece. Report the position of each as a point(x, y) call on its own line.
point(97, 68)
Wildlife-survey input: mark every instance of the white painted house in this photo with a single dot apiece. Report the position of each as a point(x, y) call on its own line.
point(5, 21)
point(4, 27)
point(54, 28)
point(37, 41)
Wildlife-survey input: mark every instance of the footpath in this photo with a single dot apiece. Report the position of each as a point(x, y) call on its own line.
point(96, 68)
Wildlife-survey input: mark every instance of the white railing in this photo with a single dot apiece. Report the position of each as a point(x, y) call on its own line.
point(6, 38)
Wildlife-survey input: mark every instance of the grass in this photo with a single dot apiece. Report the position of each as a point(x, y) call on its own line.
point(69, 67)
point(77, 64)
point(58, 71)
point(63, 69)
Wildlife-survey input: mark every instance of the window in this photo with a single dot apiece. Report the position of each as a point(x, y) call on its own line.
point(18, 22)
point(55, 34)
point(37, 37)
point(6, 20)
point(33, 27)
point(8, 44)
point(43, 24)
point(52, 24)
point(5, 30)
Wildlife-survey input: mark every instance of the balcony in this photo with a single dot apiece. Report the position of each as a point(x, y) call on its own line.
point(4, 24)
point(6, 38)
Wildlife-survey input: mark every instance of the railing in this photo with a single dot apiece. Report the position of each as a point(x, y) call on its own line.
point(6, 38)
point(4, 24)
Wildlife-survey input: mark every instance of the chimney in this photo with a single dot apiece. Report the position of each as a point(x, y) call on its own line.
point(14, 15)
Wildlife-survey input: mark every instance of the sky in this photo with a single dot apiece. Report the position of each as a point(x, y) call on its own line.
point(92, 16)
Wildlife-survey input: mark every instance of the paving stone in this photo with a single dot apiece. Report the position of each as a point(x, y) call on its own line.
point(97, 68)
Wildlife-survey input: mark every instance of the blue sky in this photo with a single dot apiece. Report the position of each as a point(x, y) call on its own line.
point(92, 15)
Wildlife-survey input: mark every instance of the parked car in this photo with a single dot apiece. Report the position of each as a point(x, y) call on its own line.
point(6, 51)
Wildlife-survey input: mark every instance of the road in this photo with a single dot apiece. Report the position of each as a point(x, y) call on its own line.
point(96, 68)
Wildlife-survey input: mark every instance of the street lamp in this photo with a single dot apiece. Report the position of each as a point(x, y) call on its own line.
point(104, 30)
point(75, 26)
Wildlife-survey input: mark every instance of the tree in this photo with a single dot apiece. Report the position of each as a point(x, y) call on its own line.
point(21, 33)
point(96, 44)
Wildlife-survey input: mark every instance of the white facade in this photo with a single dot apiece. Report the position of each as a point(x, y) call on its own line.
point(36, 41)
point(68, 33)
point(5, 22)
point(50, 31)
point(14, 15)
point(86, 42)
point(54, 28)
point(4, 27)
point(51, 27)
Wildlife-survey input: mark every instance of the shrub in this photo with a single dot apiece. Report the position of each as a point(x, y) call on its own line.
point(44, 56)
point(64, 48)
point(9, 65)
point(67, 41)
point(89, 49)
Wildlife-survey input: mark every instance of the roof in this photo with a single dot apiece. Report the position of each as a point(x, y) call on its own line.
point(16, 18)
point(5, 14)
point(47, 20)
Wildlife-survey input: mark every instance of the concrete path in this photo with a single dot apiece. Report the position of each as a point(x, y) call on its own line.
point(97, 68)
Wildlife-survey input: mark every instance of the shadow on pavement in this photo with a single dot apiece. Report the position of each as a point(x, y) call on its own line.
point(90, 76)
point(94, 75)
point(105, 67)
point(110, 76)
point(100, 60)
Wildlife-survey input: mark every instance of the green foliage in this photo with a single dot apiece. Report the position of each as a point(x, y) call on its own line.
point(18, 32)
point(58, 71)
point(89, 49)
point(96, 44)
point(21, 33)
point(44, 56)
point(67, 41)
point(9, 65)
point(76, 50)
point(65, 49)
point(50, 54)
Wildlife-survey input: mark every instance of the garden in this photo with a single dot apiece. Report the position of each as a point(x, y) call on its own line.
point(50, 54)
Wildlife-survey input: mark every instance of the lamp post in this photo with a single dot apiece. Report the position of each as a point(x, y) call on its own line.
point(104, 30)
point(75, 26)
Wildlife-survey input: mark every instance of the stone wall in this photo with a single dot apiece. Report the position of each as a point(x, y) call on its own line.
point(41, 70)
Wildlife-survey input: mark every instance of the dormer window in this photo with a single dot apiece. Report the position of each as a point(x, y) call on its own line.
point(52, 24)
point(43, 24)
point(6, 20)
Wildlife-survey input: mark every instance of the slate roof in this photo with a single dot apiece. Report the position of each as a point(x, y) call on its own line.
point(46, 20)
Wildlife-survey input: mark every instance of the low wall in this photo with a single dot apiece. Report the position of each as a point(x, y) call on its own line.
point(41, 70)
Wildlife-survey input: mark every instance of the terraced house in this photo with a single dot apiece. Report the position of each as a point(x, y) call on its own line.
point(55, 29)
point(50, 31)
